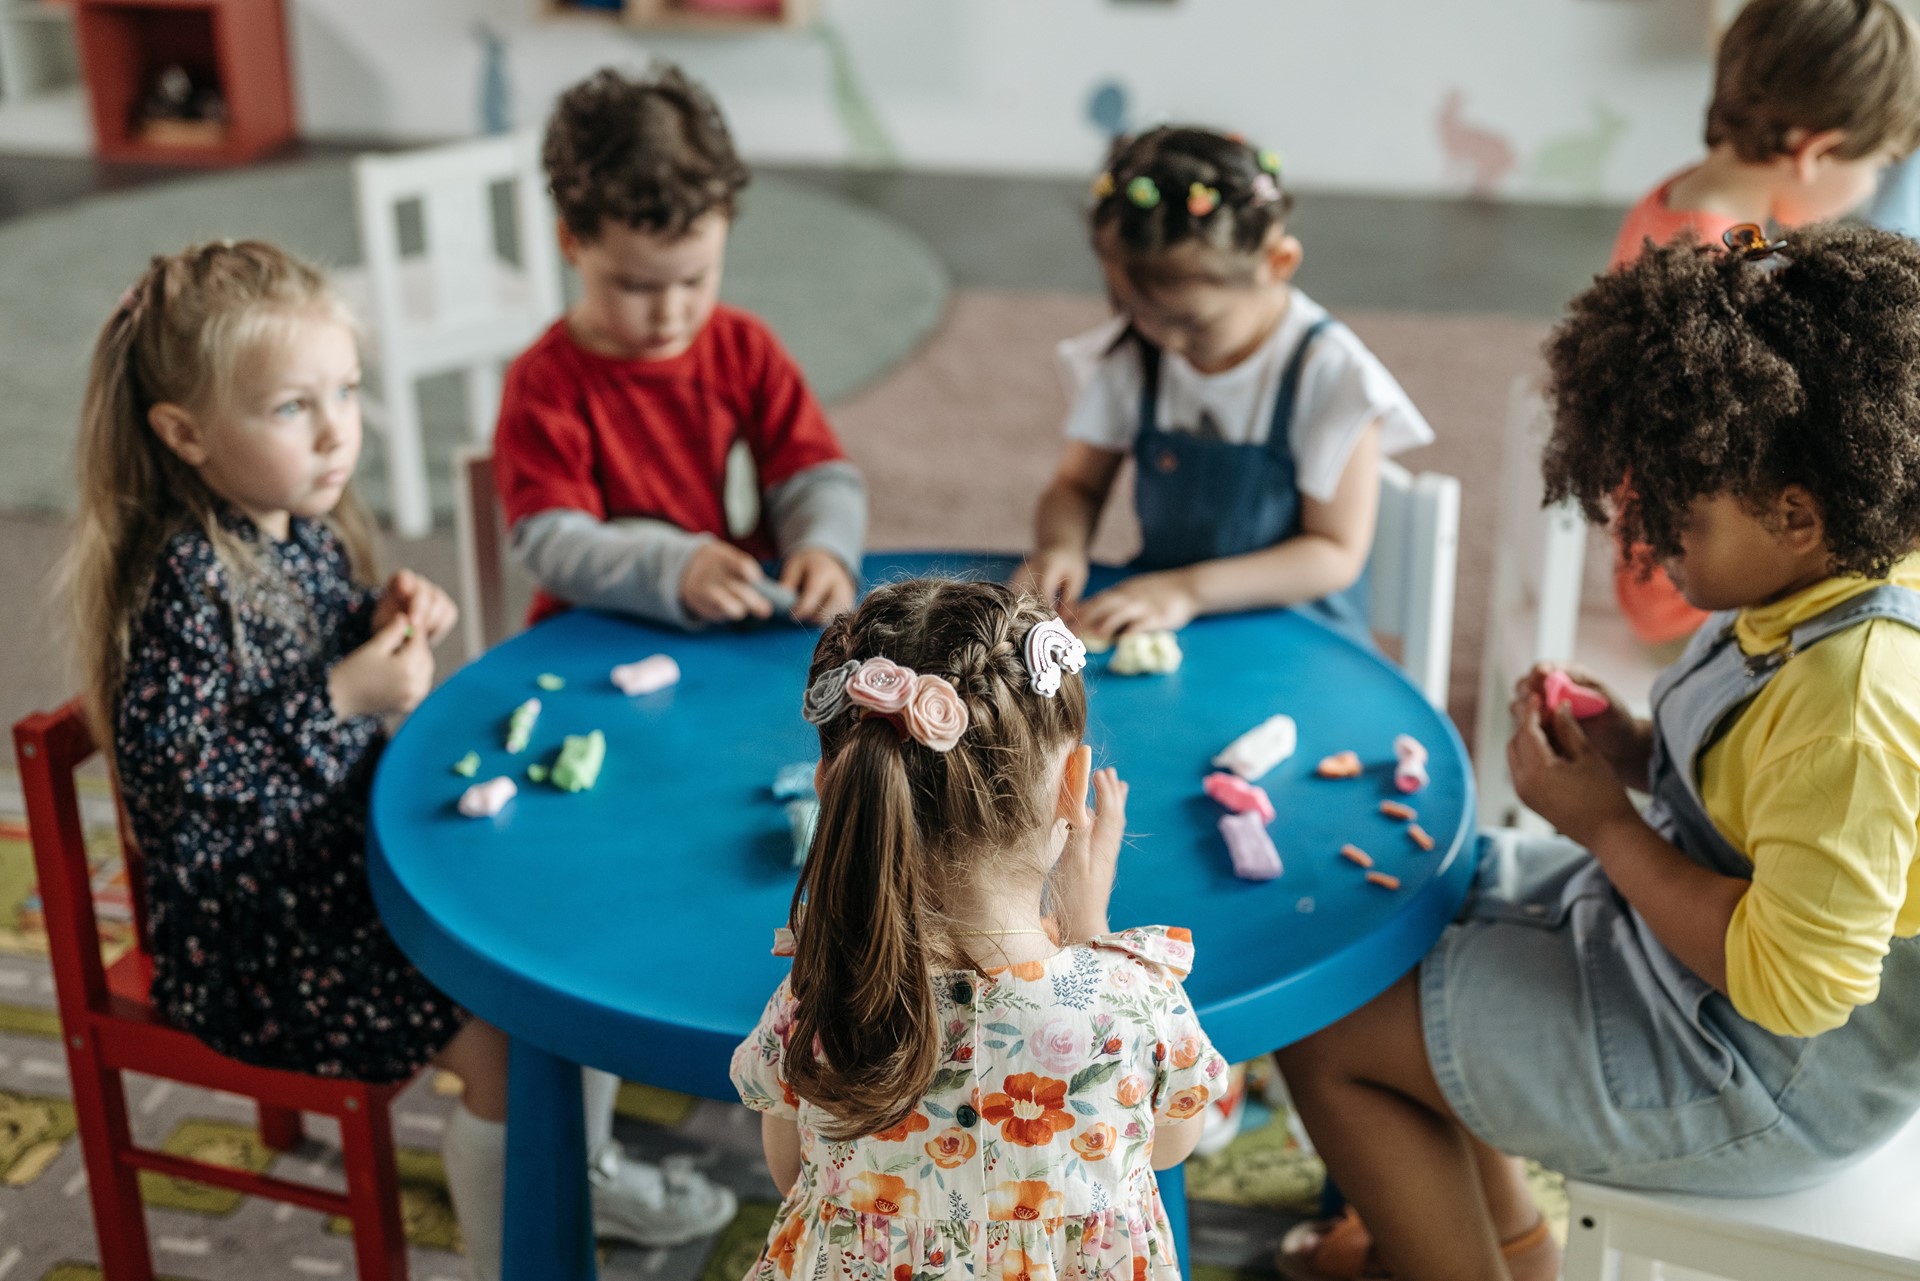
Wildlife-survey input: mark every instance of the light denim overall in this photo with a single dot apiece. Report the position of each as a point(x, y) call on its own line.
point(1560, 1028)
point(1200, 499)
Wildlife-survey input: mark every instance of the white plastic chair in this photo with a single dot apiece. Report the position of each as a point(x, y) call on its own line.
point(1861, 1226)
point(1416, 552)
point(461, 304)
point(1535, 610)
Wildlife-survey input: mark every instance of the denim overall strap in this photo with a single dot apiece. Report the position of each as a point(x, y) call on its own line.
point(1699, 698)
point(1202, 499)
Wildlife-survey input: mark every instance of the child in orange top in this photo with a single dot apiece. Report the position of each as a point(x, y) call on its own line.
point(1811, 100)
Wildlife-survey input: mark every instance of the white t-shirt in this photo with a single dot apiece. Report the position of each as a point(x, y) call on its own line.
point(1343, 388)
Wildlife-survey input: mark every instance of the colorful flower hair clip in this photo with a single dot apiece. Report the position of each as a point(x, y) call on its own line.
point(1270, 161)
point(1144, 192)
point(1103, 185)
point(1748, 241)
point(1202, 199)
point(927, 709)
point(1051, 648)
point(1263, 190)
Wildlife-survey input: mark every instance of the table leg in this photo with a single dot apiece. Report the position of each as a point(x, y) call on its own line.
point(549, 1226)
point(1173, 1198)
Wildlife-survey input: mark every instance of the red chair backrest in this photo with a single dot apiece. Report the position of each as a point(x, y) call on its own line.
point(50, 746)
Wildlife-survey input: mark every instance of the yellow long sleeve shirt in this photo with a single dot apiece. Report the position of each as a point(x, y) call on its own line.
point(1818, 783)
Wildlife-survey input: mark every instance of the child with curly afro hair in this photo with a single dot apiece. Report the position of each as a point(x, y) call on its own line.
point(1720, 994)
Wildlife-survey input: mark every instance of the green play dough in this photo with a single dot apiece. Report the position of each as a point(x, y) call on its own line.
point(536, 773)
point(467, 766)
point(578, 766)
point(548, 681)
point(520, 725)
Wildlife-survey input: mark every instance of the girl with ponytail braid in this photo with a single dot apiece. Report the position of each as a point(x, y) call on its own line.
point(1255, 422)
point(968, 1072)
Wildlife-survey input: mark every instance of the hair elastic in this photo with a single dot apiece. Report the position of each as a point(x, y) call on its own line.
point(1749, 242)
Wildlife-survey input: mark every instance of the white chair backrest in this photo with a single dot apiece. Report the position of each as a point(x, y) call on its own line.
point(1416, 551)
point(459, 296)
point(481, 287)
point(480, 536)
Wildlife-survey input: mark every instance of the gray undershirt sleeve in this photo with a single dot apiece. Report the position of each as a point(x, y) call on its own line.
point(632, 565)
point(825, 507)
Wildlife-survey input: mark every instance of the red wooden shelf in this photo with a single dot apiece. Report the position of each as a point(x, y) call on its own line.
point(238, 45)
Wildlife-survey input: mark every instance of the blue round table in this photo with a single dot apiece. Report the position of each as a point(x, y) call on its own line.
point(630, 927)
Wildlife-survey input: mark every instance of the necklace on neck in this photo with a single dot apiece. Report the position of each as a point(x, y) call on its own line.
point(998, 933)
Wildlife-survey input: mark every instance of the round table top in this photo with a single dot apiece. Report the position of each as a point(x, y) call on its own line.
point(630, 926)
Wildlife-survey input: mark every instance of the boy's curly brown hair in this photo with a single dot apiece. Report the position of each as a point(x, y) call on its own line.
point(1695, 373)
point(652, 153)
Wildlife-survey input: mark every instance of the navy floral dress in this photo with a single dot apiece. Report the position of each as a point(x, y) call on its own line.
point(248, 797)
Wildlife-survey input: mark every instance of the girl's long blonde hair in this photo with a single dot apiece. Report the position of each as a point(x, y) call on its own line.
point(902, 826)
point(180, 335)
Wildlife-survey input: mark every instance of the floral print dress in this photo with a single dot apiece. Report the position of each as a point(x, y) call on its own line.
point(247, 796)
point(1028, 1159)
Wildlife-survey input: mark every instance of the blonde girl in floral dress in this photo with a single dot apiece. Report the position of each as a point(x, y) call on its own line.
point(992, 1082)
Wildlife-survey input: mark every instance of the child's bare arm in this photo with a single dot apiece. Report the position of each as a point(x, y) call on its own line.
point(1064, 521)
point(1325, 557)
point(1174, 1141)
point(780, 1140)
point(1567, 782)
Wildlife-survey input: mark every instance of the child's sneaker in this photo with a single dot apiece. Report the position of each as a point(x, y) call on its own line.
point(654, 1205)
point(1223, 1115)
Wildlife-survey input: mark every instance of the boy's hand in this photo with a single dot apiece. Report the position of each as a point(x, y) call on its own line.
point(1622, 740)
point(392, 672)
point(718, 585)
point(430, 610)
point(1564, 779)
point(821, 585)
point(1057, 577)
point(1084, 876)
point(1162, 602)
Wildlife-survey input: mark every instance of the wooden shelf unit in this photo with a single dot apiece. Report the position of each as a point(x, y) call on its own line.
point(238, 45)
point(713, 16)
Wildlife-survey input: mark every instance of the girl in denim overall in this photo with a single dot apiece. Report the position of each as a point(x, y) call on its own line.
point(1719, 994)
point(1255, 422)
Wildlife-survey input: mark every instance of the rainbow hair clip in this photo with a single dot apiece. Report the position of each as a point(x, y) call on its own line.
point(1202, 199)
point(1144, 192)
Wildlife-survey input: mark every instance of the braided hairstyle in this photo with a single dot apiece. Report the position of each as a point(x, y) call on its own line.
point(901, 826)
point(650, 152)
point(1248, 200)
point(1692, 374)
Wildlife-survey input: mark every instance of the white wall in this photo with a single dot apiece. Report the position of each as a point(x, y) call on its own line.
point(1348, 90)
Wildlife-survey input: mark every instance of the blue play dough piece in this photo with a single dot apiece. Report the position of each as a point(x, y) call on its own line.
point(794, 782)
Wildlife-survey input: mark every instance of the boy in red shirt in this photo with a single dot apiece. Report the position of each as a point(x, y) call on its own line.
point(1811, 100)
point(615, 426)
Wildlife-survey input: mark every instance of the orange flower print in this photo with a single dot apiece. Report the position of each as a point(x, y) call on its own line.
point(786, 1092)
point(1186, 1103)
point(1016, 1266)
point(1030, 971)
point(1186, 1050)
point(1139, 1267)
point(1027, 1199)
point(951, 1148)
point(1094, 1142)
point(903, 1272)
point(786, 1243)
point(1031, 1111)
point(1180, 934)
point(1132, 1089)
point(916, 1121)
point(871, 1193)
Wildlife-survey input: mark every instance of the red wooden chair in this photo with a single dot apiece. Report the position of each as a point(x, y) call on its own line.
point(110, 1027)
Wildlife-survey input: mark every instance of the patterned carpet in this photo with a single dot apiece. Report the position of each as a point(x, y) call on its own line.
point(1244, 1197)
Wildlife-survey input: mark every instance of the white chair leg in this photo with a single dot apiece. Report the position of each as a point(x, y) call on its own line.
point(406, 458)
point(1633, 1267)
point(483, 400)
point(1586, 1256)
